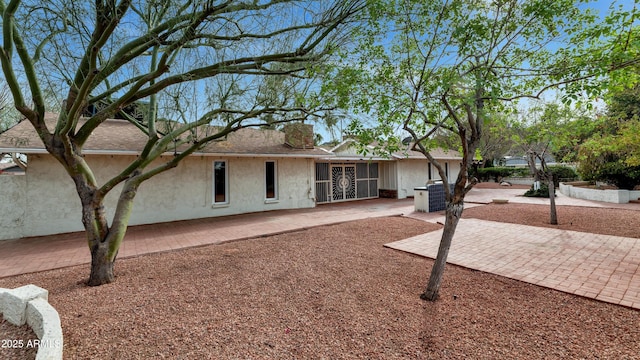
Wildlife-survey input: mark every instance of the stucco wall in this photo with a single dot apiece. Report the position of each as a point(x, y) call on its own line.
point(414, 173)
point(12, 205)
point(411, 174)
point(52, 205)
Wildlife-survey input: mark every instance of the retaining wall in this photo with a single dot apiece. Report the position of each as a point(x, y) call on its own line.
point(519, 180)
point(612, 196)
point(29, 304)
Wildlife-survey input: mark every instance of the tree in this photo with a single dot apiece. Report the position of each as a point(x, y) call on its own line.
point(613, 153)
point(7, 112)
point(108, 55)
point(450, 66)
point(546, 129)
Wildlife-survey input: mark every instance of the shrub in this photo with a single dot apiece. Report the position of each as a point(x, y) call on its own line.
point(562, 173)
point(521, 172)
point(543, 192)
point(616, 173)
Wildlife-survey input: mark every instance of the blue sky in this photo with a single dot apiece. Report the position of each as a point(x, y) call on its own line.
point(601, 7)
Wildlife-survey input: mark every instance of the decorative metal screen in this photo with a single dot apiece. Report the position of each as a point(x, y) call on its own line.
point(340, 182)
point(343, 182)
point(349, 182)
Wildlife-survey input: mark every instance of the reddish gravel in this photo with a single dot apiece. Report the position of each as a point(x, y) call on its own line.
point(14, 341)
point(619, 222)
point(333, 292)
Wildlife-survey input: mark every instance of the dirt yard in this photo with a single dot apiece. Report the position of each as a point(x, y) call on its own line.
point(335, 292)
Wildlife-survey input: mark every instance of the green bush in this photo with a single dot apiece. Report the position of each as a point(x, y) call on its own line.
point(543, 192)
point(616, 173)
point(563, 172)
point(521, 172)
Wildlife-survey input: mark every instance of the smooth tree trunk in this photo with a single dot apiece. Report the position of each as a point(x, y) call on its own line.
point(553, 217)
point(452, 217)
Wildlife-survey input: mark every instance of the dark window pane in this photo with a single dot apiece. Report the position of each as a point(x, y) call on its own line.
point(362, 171)
point(373, 170)
point(270, 174)
point(363, 189)
point(322, 171)
point(220, 181)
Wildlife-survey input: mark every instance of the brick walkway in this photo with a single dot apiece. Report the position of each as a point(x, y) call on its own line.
point(56, 251)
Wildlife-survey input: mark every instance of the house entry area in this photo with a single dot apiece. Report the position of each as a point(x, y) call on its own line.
point(346, 181)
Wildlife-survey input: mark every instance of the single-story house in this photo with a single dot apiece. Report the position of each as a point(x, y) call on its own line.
point(394, 175)
point(521, 161)
point(251, 170)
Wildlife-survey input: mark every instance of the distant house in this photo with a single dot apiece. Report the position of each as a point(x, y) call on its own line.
point(10, 168)
point(521, 161)
point(251, 170)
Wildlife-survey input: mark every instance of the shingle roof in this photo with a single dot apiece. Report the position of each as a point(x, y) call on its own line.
point(345, 147)
point(437, 153)
point(122, 137)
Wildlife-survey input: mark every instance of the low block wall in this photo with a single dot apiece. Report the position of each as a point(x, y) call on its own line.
point(611, 196)
point(29, 304)
point(519, 180)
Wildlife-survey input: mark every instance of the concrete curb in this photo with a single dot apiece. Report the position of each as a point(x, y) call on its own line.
point(29, 305)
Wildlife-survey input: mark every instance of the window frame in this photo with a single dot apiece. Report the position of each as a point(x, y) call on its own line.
point(226, 182)
point(275, 181)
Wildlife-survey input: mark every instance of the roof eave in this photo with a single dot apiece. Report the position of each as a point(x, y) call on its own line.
point(137, 153)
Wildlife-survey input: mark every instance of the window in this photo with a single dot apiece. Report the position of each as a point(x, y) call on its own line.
point(429, 171)
point(220, 182)
point(367, 180)
point(271, 180)
point(446, 170)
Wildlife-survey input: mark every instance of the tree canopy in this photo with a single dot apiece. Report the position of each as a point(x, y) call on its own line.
point(612, 154)
point(186, 65)
point(453, 66)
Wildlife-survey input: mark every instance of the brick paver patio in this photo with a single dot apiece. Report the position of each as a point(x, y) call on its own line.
point(601, 267)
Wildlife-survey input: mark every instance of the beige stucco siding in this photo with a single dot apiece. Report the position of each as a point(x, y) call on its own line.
point(12, 205)
point(51, 204)
point(413, 173)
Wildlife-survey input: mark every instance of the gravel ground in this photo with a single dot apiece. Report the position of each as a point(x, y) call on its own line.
point(334, 292)
point(14, 341)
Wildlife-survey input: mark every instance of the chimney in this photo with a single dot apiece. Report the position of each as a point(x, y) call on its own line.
point(299, 135)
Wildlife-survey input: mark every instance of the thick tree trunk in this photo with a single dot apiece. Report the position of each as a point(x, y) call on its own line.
point(104, 245)
point(453, 214)
point(101, 265)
